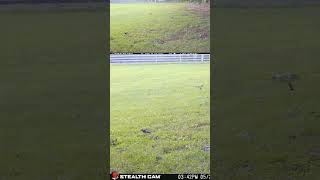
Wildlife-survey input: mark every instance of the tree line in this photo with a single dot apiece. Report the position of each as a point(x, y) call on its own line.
point(190, 1)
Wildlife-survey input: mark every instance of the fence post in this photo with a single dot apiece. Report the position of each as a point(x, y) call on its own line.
point(202, 56)
point(156, 58)
point(180, 57)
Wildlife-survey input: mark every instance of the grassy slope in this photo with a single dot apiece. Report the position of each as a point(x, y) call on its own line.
point(164, 99)
point(256, 117)
point(52, 68)
point(157, 28)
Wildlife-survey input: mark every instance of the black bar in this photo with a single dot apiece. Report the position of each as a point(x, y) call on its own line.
point(116, 176)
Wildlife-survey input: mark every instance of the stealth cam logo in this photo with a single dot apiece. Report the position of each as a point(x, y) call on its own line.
point(114, 175)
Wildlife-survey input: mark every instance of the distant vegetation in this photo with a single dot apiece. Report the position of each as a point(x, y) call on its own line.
point(157, 1)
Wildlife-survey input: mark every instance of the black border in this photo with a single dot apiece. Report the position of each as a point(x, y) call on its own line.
point(212, 87)
point(107, 2)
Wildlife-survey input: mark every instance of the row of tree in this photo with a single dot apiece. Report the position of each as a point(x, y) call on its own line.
point(157, 1)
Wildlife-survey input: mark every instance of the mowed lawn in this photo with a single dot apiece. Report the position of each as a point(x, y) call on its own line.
point(53, 80)
point(170, 100)
point(264, 131)
point(163, 27)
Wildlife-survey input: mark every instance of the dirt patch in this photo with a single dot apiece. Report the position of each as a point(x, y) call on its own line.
point(206, 148)
point(204, 35)
point(202, 9)
point(201, 125)
point(196, 33)
point(176, 36)
point(159, 41)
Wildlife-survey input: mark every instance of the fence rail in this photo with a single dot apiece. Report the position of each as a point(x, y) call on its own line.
point(158, 58)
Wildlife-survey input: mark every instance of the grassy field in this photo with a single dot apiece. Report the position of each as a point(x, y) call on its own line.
point(264, 131)
point(53, 78)
point(164, 27)
point(170, 100)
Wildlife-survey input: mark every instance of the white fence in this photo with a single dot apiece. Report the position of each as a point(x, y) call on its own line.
point(158, 58)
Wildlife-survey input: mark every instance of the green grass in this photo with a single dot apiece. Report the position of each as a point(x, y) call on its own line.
point(53, 78)
point(164, 27)
point(167, 100)
point(255, 116)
